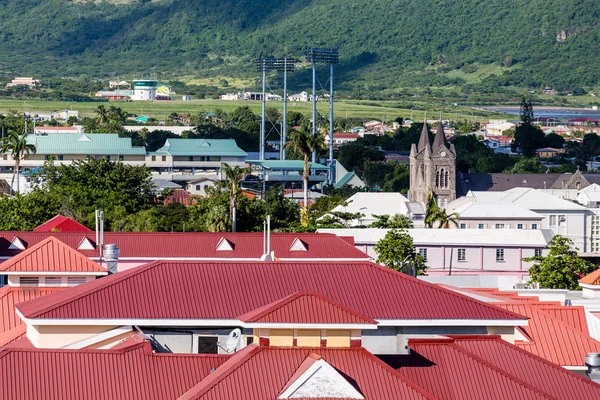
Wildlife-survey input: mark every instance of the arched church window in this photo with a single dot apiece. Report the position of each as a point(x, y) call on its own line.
point(437, 179)
point(446, 180)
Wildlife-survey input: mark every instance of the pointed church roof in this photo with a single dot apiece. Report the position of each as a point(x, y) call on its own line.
point(424, 139)
point(440, 137)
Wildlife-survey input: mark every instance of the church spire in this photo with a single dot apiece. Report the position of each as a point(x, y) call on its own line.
point(424, 139)
point(440, 137)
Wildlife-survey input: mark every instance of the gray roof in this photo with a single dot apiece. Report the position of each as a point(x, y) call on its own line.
point(502, 182)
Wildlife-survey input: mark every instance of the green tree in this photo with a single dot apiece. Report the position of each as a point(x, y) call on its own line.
point(443, 219)
point(528, 137)
point(353, 157)
point(16, 145)
point(233, 176)
point(431, 208)
point(554, 141)
point(397, 251)
point(303, 142)
point(526, 166)
point(397, 221)
point(561, 268)
point(102, 115)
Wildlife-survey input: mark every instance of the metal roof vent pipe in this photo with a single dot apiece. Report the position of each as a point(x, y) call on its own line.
point(592, 361)
point(111, 255)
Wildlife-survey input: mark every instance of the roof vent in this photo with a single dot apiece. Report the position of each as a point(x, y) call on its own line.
point(298, 245)
point(111, 255)
point(225, 245)
point(592, 361)
point(204, 143)
point(84, 138)
point(86, 244)
point(17, 244)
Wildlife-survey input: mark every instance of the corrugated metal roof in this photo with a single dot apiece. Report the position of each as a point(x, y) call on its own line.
point(529, 198)
point(60, 223)
point(495, 211)
point(450, 372)
point(51, 255)
point(226, 290)
point(287, 165)
point(11, 326)
point(86, 144)
point(535, 371)
point(258, 373)
point(306, 308)
point(201, 147)
point(130, 373)
point(157, 245)
point(551, 338)
point(592, 278)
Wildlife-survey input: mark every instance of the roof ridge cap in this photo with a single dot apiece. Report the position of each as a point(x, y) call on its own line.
point(88, 291)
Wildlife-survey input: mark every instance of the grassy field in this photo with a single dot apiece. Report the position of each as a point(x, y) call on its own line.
point(160, 109)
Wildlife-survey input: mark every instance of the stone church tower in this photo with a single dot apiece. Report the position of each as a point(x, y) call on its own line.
point(432, 168)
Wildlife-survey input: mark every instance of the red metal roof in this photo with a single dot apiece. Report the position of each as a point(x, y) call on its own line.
point(62, 224)
point(262, 373)
point(535, 371)
point(180, 196)
point(130, 373)
point(51, 255)
point(226, 290)
point(306, 308)
point(451, 372)
point(591, 278)
point(11, 326)
point(161, 245)
point(550, 337)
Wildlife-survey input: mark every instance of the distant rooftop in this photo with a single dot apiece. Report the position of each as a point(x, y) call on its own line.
point(201, 147)
point(87, 144)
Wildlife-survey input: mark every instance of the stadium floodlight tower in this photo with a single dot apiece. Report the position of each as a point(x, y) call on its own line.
point(284, 65)
point(325, 56)
point(264, 65)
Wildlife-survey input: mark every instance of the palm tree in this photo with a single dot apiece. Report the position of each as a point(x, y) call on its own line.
point(444, 219)
point(303, 142)
point(431, 207)
point(102, 115)
point(234, 175)
point(16, 145)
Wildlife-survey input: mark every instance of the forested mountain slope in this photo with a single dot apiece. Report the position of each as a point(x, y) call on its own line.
point(383, 43)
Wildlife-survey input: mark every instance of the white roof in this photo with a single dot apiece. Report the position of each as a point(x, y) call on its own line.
point(375, 203)
point(531, 199)
point(457, 237)
point(480, 210)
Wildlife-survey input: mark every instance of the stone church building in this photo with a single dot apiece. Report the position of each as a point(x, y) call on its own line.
point(433, 168)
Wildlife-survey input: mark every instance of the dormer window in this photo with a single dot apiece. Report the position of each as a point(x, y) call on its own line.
point(225, 245)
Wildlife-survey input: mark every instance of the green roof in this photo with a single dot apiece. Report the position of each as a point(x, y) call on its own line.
point(88, 144)
point(287, 165)
point(201, 147)
point(345, 179)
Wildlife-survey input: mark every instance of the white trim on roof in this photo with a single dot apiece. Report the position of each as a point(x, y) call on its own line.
point(307, 259)
point(452, 322)
point(54, 273)
point(275, 325)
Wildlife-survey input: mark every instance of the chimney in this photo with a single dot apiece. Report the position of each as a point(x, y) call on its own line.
point(592, 361)
point(111, 255)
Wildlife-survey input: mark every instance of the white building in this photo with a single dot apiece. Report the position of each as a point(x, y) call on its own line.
point(497, 128)
point(144, 89)
point(177, 130)
point(300, 97)
point(465, 251)
point(479, 215)
point(116, 84)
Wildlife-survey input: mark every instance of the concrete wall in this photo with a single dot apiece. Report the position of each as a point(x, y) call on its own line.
point(575, 227)
point(475, 281)
point(184, 340)
point(56, 337)
point(491, 223)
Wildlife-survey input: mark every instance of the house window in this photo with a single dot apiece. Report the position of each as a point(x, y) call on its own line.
point(198, 187)
point(153, 158)
point(206, 187)
point(533, 226)
point(499, 226)
point(519, 226)
point(29, 281)
point(208, 344)
point(5, 156)
point(481, 226)
point(423, 253)
point(121, 158)
point(190, 158)
point(53, 281)
point(463, 226)
point(462, 254)
point(537, 252)
point(76, 280)
point(164, 158)
point(61, 157)
point(552, 220)
point(499, 254)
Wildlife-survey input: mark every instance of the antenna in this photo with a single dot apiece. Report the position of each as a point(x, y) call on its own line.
point(232, 341)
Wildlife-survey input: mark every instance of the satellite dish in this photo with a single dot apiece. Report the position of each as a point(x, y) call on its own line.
point(232, 341)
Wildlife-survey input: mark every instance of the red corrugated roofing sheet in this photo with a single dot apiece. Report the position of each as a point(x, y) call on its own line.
point(450, 372)
point(261, 373)
point(537, 372)
point(551, 338)
point(160, 245)
point(226, 290)
point(592, 278)
point(51, 255)
point(11, 326)
point(306, 308)
point(62, 224)
point(131, 373)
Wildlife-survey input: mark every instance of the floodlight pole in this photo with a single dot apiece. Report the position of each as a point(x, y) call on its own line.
point(284, 124)
point(264, 108)
point(314, 104)
point(331, 164)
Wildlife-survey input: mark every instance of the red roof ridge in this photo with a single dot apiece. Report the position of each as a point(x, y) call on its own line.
point(593, 278)
point(224, 370)
point(49, 225)
point(492, 367)
point(81, 291)
point(450, 292)
point(259, 313)
point(499, 340)
point(61, 246)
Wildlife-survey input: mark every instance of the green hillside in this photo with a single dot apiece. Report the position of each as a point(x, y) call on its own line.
point(477, 45)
